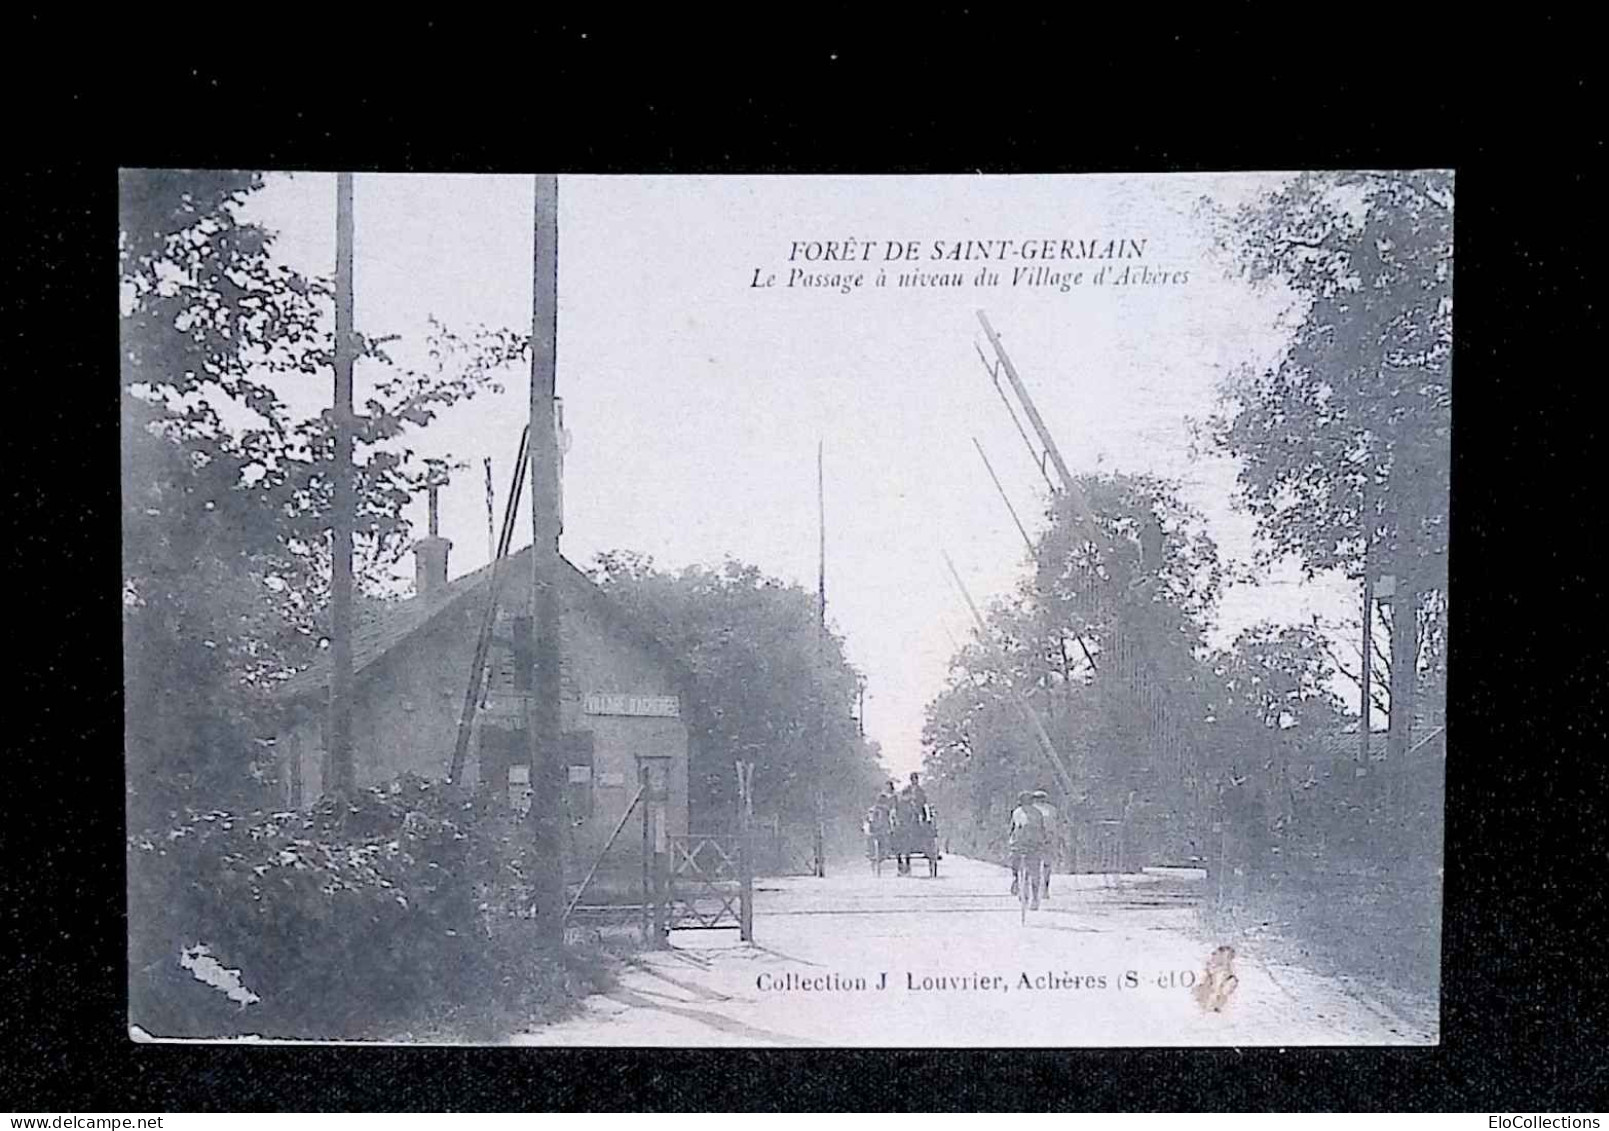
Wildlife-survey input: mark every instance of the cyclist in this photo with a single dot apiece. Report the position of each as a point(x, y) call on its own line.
point(1026, 845)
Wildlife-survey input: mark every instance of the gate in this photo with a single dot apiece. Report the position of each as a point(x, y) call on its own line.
point(709, 885)
point(1101, 849)
point(782, 850)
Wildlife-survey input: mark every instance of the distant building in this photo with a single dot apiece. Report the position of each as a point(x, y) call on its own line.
point(622, 695)
point(1427, 745)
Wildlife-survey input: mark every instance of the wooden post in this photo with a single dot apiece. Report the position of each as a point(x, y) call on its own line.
point(663, 895)
point(648, 900)
point(1368, 667)
point(342, 772)
point(745, 786)
point(821, 645)
point(546, 782)
point(656, 842)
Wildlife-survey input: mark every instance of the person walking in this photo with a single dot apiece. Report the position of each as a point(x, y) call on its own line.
point(910, 808)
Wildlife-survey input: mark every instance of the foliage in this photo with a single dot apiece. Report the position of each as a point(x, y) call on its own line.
point(768, 685)
point(1343, 442)
point(1132, 590)
point(226, 497)
point(387, 907)
point(1105, 641)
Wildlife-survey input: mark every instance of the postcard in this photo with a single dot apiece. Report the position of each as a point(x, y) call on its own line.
point(829, 611)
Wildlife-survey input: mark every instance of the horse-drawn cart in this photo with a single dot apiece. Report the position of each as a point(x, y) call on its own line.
point(917, 837)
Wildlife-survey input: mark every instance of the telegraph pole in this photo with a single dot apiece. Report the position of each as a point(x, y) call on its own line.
point(341, 774)
point(543, 723)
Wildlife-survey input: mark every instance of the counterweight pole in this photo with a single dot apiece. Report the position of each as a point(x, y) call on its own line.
point(1073, 490)
point(1004, 498)
point(1028, 713)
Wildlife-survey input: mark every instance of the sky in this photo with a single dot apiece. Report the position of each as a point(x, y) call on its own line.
point(696, 399)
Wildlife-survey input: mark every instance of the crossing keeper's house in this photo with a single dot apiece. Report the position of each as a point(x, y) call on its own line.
point(621, 702)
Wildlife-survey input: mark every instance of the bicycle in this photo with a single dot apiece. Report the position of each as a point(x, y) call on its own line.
point(1025, 868)
point(1022, 888)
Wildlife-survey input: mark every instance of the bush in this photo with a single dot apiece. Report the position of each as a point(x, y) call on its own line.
point(387, 907)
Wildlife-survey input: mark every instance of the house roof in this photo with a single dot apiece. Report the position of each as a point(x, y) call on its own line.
point(1420, 737)
point(398, 621)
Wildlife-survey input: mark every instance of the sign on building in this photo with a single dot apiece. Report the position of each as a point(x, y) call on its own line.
point(649, 706)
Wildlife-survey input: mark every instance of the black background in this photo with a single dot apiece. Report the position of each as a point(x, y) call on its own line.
point(944, 93)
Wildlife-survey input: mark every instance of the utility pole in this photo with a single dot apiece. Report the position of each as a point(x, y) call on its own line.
point(821, 652)
point(491, 522)
point(543, 723)
point(341, 772)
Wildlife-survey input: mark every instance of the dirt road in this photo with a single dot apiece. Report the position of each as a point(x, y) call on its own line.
point(860, 960)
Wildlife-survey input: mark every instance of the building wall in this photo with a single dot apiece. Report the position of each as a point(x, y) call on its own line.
point(406, 707)
point(599, 657)
point(405, 711)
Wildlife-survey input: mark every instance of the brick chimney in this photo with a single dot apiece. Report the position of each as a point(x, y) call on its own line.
point(430, 556)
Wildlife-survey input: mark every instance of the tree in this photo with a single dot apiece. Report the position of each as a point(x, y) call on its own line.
point(765, 684)
point(1344, 440)
point(1103, 638)
point(1271, 705)
point(226, 497)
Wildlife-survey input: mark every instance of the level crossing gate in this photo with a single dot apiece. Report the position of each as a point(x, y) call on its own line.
point(709, 884)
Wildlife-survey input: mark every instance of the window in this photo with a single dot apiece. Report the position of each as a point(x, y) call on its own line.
point(577, 748)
